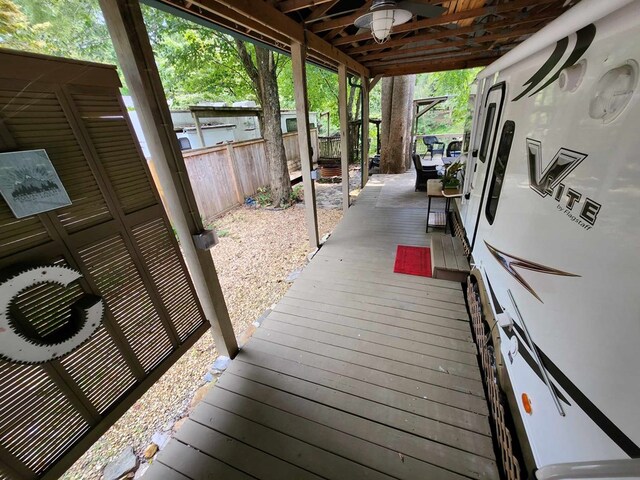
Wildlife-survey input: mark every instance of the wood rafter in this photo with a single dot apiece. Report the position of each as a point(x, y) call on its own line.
point(339, 29)
point(320, 11)
point(437, 66)
point(407, 53)
point(469, 33)
point(417, 25)
point(438, 35)
point(293, 5)
point(440, 56)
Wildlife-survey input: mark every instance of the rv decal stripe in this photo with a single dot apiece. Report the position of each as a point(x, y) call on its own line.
point(583, 42)
point(593, 412)
point(599, 418)
point(551, 62)
point(496, 303)
point(533, 365)
point(509, 262)
point(584, 38)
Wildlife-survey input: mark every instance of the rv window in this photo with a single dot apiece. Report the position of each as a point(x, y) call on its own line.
point(484, 146)
point(499, 169)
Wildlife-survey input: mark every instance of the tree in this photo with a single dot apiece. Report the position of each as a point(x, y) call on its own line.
point(397, 97)
point(264, 76)
point(457, 85)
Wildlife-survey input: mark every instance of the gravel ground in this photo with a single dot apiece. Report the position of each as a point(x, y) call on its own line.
point(258, 248)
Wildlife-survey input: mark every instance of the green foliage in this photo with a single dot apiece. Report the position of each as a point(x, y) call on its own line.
point(450, 178)
point(12, 20)
point(195, 63)
point(222, 233)
point(297, 194)
point(263, 196)
point(66, 28)
point(457, 85)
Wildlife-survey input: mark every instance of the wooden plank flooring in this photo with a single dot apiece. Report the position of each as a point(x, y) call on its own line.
point(357, 373)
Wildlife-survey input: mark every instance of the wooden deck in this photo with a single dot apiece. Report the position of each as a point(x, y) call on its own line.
point(357, 373)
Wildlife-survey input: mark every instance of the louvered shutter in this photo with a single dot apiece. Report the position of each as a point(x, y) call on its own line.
point(116, 234)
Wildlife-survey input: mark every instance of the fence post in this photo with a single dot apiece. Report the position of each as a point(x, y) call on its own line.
point(231, 153)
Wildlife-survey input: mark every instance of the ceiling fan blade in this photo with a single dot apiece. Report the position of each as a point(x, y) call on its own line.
point(422, 9)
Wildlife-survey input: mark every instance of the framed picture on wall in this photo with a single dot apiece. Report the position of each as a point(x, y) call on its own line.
point(29, 183)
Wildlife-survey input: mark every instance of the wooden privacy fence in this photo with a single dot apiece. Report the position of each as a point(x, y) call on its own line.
point(223, 176)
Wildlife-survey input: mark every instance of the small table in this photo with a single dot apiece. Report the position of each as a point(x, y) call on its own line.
point(434, 189)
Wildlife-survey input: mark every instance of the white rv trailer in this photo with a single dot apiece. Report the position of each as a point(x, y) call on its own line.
point(551, 212)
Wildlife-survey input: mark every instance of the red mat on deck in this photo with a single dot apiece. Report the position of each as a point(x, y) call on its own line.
point(413, 261)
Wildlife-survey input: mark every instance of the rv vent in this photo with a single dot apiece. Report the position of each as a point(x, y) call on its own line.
point(571, 78)
point(613, 92)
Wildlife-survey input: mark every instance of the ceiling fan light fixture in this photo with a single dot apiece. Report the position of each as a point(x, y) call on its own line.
point(382, 18)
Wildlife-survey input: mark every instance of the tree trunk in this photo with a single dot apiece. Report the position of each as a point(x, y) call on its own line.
point(397, 95)
point(264, 77)
point(411, 88)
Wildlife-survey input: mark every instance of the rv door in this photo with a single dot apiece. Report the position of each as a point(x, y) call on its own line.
point(490, 113)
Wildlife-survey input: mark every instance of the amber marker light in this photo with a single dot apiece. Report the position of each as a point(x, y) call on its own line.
point(526, 403)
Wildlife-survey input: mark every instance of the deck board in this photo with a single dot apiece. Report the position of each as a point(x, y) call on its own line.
point(356, 373)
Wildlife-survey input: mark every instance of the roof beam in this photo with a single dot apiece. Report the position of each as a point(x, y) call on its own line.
point(319, 12)
point(338, 31)
point(293, 5)
point(411, 52)
point(440, 56)
point(264, 17)
point(436, 66)
point(445, 19)
point(478, 27)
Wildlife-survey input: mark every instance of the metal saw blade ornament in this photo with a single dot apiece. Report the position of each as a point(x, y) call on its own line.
point(18, 345)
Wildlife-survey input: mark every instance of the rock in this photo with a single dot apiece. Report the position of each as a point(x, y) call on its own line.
point(244, 337)
point(168, 426)
point(221, 363)
point(263, 317)
point(125, 463)
point(200, 393)
point(208, 377)
point(141, 471)
point(293, 275)
point(150, 451)
point(160, 439)
point(179, 423)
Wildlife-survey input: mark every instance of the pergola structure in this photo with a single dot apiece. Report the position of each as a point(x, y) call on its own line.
point(469, 33)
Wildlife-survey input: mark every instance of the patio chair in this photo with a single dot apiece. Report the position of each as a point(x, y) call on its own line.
point(423, 174)
point(454, 148)
point(434, 146)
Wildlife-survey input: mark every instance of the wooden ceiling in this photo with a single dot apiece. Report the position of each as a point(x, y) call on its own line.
point(468, 33)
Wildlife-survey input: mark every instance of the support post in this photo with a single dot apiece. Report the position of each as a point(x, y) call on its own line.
point(233, 164)
point(365, 131)
point(196, 120)
point(344, 134)
point(131, 42)
point(298, 66)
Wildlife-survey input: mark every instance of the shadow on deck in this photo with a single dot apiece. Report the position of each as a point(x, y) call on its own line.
point(357, 373)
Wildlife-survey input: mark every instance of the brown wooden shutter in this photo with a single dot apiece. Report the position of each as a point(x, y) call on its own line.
point(116, 234)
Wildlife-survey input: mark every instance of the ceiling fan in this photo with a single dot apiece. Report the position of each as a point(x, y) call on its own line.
point(386, 14)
